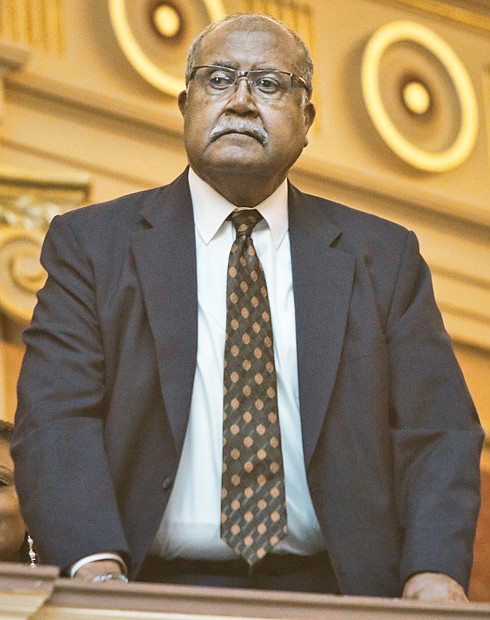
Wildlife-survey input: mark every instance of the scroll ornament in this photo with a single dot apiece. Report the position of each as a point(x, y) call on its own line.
point(24, 221)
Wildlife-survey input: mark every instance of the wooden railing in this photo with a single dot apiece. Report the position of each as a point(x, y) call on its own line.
point(40, 594)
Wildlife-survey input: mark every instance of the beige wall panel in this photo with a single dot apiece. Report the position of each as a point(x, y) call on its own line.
point(90, 142)
point(347, 135)
point(102, 186)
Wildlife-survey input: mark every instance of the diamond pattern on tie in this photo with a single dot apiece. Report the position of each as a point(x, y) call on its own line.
point(253, 505)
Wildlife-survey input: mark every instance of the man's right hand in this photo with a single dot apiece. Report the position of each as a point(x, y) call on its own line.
point(99, 567)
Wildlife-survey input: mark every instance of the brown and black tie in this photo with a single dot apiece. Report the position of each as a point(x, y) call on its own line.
point(253, 502)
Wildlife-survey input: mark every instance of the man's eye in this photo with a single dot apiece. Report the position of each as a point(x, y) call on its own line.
point(268, 85)
point(6, 479)
point(219, 80)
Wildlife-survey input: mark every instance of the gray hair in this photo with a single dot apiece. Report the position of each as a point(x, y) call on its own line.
point(250, 22)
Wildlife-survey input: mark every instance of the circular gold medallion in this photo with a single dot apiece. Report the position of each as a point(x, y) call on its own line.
point(155, 37)
point(456, 102)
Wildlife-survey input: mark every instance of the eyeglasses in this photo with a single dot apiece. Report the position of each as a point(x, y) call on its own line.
point(265, 84)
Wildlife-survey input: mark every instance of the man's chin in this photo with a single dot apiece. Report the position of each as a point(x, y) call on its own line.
point(236, 156)
point(235, 165)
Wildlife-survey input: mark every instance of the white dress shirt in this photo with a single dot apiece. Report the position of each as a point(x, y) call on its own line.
point(191, 524)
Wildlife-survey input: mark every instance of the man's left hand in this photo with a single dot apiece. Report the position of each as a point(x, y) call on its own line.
point(434, 587)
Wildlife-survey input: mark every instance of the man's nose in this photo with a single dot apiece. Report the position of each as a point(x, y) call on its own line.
point(242, 99)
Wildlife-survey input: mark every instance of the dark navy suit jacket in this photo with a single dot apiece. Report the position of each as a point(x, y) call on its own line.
point(391, 438)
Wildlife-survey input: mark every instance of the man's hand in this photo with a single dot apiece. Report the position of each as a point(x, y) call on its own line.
point(99, 567)
point(433, 587)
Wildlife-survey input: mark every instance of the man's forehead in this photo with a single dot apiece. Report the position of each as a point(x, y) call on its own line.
point(265, 30)
point(247, 39)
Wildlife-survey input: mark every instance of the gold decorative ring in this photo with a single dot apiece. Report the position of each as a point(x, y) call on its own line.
point(151, 72)
point(462, 146)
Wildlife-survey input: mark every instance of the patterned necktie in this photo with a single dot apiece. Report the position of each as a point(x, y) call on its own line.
point(253, 502)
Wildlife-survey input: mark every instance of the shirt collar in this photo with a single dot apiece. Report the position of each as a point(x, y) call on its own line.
point(211, 209)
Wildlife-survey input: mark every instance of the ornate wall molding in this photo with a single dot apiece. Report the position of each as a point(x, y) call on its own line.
point(38, 24)
point(28, 202)
point(21, 274)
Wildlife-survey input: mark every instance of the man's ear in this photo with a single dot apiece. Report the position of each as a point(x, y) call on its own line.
point(309, 114)
point(182, 101)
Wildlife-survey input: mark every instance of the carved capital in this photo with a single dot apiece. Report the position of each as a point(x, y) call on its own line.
point(21, 274)
point(28, 203)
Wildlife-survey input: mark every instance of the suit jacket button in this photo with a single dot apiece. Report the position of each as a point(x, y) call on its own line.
point(167, 484)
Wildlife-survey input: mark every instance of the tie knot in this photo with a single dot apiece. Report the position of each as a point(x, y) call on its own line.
point(244, 221)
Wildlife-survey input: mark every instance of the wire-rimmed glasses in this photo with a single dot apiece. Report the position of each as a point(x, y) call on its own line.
point(265, 84)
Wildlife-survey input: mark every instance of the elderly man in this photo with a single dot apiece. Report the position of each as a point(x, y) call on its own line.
point(229, 382)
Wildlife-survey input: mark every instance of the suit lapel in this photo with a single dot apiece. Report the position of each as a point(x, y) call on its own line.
point(322, 282)
point(165, 259)
point(165, 255)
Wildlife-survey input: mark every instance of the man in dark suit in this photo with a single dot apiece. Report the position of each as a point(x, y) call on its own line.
point(119, 426)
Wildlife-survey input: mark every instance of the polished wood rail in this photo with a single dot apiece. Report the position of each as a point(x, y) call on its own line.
point(40, 594)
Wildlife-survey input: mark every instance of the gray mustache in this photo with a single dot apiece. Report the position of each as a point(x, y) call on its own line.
point(240, 126)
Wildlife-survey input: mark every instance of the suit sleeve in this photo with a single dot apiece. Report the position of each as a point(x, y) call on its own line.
point(436, 433)
point(62, 475)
